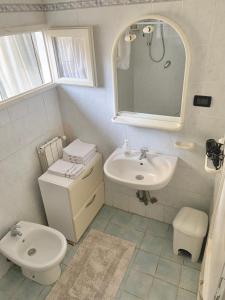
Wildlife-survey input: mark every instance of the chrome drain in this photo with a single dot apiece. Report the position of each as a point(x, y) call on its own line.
point(31, 251)
point(139, 177)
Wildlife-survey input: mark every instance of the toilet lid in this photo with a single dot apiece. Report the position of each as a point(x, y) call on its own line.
point(191, 222)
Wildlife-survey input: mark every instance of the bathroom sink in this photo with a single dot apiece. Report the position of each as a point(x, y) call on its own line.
point(151, 173)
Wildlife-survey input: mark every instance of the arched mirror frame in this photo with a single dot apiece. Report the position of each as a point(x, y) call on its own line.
point(150, 120)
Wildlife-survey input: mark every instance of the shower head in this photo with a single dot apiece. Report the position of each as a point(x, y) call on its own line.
point(148, 29)
point(130, 37)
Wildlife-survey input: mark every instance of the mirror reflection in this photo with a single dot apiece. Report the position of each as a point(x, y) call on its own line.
point(150, 69)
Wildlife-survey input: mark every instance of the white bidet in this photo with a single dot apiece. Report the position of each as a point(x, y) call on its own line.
point(37, 249)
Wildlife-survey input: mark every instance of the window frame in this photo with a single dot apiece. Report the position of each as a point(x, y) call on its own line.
point(87, 34)
point(36, 90)
point(55, 80)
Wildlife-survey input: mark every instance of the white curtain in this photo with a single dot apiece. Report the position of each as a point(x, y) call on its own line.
point(71, 57)
point(19, 70)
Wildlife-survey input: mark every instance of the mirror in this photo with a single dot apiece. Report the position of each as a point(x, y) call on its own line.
point(151, 61)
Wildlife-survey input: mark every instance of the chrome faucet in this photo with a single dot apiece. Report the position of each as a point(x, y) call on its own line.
point(14, 230)
point(144, 151)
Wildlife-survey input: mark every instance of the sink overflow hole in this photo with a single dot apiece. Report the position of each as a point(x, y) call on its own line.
point(139, 177)
point(31, 251)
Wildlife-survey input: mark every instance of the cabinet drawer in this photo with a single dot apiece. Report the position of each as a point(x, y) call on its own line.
point(85, 187)
point(89, 211)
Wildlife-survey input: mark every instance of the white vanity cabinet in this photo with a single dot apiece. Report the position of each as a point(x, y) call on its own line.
point(71, 205)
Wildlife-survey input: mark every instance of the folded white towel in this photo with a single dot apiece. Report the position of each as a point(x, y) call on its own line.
point(79, 160)
point(79, 149)
point(66, 169)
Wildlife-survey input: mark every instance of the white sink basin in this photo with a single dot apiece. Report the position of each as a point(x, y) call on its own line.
point(151, 173)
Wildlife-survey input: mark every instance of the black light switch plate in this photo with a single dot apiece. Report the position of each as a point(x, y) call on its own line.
point(204, 101)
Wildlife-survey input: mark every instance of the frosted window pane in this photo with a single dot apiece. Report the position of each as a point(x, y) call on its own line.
point(42, 56)
point(71, 60)
point(22, 65)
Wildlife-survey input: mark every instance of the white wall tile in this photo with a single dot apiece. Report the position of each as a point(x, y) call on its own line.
point(30, 124)
point(21, 19)
point(4, 117)
point(120, 201)
point(52, 110)
point(108, 199)
point(119, 188)
point(137, 207)
point(169, 214)
point(198, 17)
point(8, 141)
point(155, 211)
point(18, 110)
point(188, 179)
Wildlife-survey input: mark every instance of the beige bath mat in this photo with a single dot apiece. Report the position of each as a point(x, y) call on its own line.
point(96, 270)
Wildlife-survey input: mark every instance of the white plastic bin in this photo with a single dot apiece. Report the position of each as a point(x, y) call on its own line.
point(190, 227)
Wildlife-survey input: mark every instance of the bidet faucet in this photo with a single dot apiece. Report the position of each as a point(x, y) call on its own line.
point(14, 230)
point(144, 151)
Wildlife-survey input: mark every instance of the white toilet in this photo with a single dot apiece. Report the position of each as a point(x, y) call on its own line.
point(37, 249)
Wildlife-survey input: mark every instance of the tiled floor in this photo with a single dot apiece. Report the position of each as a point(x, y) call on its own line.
point(153, 274)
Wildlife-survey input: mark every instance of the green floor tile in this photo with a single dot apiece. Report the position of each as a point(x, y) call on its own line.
point(138, 284)
point(152, 244)
point(10, 283)
point(71, 251)
point(145, 262)
point(168, 271)
point(126, 296)
point(133, 235)
point(186, 295)
point(99, 223)
point(121, 218)
point(107, 212)
point(125, 232)
point(115, 229)
point(167, 252)
point(162, 290)
point(28, 290)
point(157, 228)
point(4, 296)
point(139, 223)
point(189, 263)
point(189, 279)
point(44, 293)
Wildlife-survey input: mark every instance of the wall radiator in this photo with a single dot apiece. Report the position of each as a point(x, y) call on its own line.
point(51, 151)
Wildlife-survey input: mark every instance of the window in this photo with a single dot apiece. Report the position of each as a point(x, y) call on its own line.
point(72, 54)
point(23, 63)
point(31, 60)
point(70, 57)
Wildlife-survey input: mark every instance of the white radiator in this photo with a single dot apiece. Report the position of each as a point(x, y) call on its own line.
point(50, 152)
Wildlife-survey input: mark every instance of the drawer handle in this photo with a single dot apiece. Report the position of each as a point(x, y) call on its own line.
point(92, 200)
point(89, 173)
